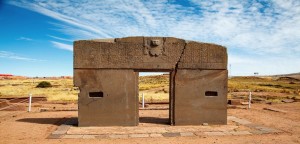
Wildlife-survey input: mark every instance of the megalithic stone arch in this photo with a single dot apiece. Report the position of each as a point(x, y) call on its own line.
point(106, 71)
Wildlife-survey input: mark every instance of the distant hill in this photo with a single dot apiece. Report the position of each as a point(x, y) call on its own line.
point(292, 75)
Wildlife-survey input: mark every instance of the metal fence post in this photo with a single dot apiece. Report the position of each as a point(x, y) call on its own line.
point(29, 105)
point(250, 97)
point(143, 100)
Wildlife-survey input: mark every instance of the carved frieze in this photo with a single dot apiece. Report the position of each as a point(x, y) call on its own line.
point(153, 47)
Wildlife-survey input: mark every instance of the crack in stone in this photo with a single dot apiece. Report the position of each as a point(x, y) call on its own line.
point(164, 48)
point(173, 86)
point(177, 63)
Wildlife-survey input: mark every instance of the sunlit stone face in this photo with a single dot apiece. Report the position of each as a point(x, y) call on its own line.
point(155, 42)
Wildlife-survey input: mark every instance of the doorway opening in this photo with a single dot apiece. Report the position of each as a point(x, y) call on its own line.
point(154, 88)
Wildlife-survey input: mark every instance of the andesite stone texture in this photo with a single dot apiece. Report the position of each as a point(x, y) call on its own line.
point(106, 71)
point(192, 106)
point(119, 104)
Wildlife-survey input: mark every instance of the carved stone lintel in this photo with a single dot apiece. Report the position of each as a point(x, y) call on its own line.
point(153, 47)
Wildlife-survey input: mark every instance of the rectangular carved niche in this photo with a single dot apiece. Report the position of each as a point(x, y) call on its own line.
point(211, 93)
point(96, 94)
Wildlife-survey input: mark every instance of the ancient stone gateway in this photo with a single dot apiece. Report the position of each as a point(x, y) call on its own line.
point(106, 71)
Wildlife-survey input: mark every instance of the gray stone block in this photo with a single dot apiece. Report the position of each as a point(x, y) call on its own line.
point(171, 134)
point(54, 136)
point(240, 133)
point(139, 135)
point(241, 121)
point(200, 97)
point(62, 129)
point(187, 134)
point(118, 136)
point(117, 103)
point(72, 136)
point(106, 71)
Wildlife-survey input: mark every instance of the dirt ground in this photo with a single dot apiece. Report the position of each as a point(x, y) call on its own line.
point(35, 127)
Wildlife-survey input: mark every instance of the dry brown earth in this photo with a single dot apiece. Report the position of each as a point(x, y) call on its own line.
point(35, 127)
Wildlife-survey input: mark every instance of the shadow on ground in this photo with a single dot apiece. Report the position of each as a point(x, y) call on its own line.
point(54, 121)
point(74, 120)
point(154, 120)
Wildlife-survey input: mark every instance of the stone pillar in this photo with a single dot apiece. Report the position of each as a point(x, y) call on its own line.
point(200, 97)
point(105, 70)
point(107, 97)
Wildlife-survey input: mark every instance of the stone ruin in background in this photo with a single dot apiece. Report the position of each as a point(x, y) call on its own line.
point(106, 71)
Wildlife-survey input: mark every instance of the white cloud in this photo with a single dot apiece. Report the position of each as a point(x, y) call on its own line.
point(59, 38)
point(250, 25)
point(11, 55)
point(62, 46)
point(264, 29)
point(24, 38)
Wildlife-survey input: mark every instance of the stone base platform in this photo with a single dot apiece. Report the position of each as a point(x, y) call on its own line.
point(235, 126)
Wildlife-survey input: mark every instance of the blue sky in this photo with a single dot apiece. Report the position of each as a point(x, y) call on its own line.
point(261, 36)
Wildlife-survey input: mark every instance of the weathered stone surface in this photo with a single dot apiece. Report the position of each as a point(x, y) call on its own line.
point(72, 136)
point(171, 134)
point(187, 134)
point(142, 53)
point(203, 56)
point(240, 133)
point(127, 53)
point(62, 129)
point(241, 121)
point(119, 104)
point(199, 133)
point(55, 136)
point(115, 130)
point(193, 103)
point(139, 135)
point(106, 71)
point(104, 40)
point(139, 40)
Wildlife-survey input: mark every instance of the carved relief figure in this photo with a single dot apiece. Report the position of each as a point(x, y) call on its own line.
point(153, 47)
